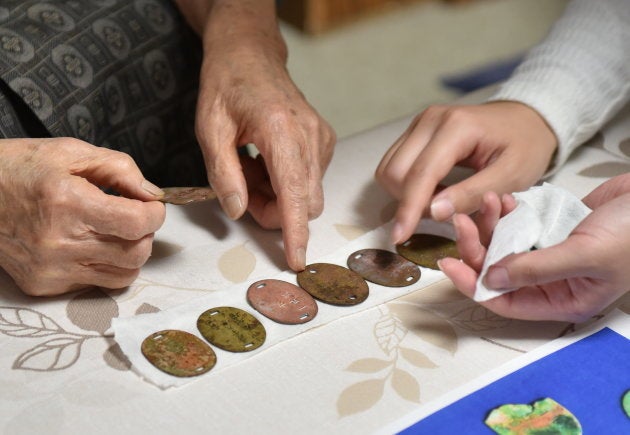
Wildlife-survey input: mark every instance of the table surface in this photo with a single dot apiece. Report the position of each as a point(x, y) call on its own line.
point(61, 370)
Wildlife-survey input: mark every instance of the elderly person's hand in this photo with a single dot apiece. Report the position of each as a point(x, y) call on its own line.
point(508, 145)
point(570, 281)
point(246, 96)
point(60, 232)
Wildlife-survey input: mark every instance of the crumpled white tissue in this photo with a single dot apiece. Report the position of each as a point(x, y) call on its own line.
point(544, 216)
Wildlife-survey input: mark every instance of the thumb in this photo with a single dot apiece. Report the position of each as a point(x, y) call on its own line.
point(561, 261)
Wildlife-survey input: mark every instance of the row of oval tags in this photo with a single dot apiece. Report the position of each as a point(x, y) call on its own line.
point(182, 354)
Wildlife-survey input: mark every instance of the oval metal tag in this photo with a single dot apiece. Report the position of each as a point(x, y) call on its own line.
point(384, 267)
point(178, 353)
point(186, 195)
point(282, 301)
point(231, 329)
point(333, 284)
point(426, 249)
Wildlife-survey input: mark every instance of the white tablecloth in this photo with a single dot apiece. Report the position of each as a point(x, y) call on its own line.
point(62, 372)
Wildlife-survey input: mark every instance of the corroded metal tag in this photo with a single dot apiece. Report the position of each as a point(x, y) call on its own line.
point(186, 195)
point(282, 301)
point(384, 267)
point(231, 329)
point(333, 284)
point(426, 249)
point(178, 353)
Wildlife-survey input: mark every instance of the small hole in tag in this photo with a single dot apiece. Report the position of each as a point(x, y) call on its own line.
point(312, 271)
point(304, 316)
point(158, 337)
point(214, 313)
point(261, 285)
point(198, 369)
point(409, 278)
point(248, 345)
point(352, 298)
point(358, 256)
point(407, 243)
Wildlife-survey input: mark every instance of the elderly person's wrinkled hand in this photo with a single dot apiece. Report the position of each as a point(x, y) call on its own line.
point(60, 232)
point(570, 281)
point(246, 96)
point(507, 144)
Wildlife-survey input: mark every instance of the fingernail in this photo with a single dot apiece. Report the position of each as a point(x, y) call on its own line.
point(456, 226)
point(442, 209)
point(152, 188)
point(439, 264)
point(233, 205)
point(396, 233)
point(300, 258)
point(497, 278)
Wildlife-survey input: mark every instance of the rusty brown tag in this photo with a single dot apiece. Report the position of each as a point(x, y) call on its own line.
point(426, 249)
point(231, 329)
point(384, 267)
point(282, 301)
point(178, 353)
point(186, 195)
point(333, 284)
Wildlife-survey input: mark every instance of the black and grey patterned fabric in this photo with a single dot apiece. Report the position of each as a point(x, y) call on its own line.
point(121, 74)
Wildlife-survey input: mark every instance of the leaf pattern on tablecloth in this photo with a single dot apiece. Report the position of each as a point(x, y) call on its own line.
point(426, 325)
point(115, 357)
point(605, 170)
point(147, 309)
point(351, 232)
point(389, 332)
point(54, 354)
point(25, 322)
point(92, 310)
point(406, 385)
point(237, 264)
point(596, 141)
point(360, 396)
point(479, 318)
point(162, 249)
point(624, 146)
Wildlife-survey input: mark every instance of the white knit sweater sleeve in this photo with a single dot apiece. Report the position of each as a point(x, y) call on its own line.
point(579, 76)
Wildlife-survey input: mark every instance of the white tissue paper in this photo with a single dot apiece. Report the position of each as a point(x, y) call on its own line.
point(544, 216)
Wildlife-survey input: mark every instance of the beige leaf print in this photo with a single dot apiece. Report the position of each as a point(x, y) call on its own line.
point(55, 354)
point(115, 358)
point(605, 170)
point(147, 309)
point(368, 365)
point(360, 396)
point(163, 249)
point(416, 358)
point(478, 318)
point(406, 385)
point(426, 325)
point(25, 322)
point(237, 264)
point(351, 232)
point(624, 146)
point(596, 141)
point(92, 310)
point(389, 332)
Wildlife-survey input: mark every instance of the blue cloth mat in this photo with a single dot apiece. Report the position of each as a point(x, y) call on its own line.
point(483, 76)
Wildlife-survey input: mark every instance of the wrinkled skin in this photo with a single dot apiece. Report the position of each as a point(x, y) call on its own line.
point(59, 231)
point(507, 144)
point(571, 281)
point(246, 96)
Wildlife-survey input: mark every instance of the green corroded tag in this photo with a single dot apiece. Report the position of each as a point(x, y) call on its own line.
point(543, 417)
point(178, 353)
point(231, 329)
point(186, 195)
point(426, 249)
point(384, 267)
point(333, 284)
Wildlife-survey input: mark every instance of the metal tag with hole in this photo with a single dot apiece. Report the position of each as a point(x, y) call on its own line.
point(187, 195)
point(178, 353)
point(231, 329)
point(384, 267)
point(426, 249)
point(282, 301)
point(333, 284)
